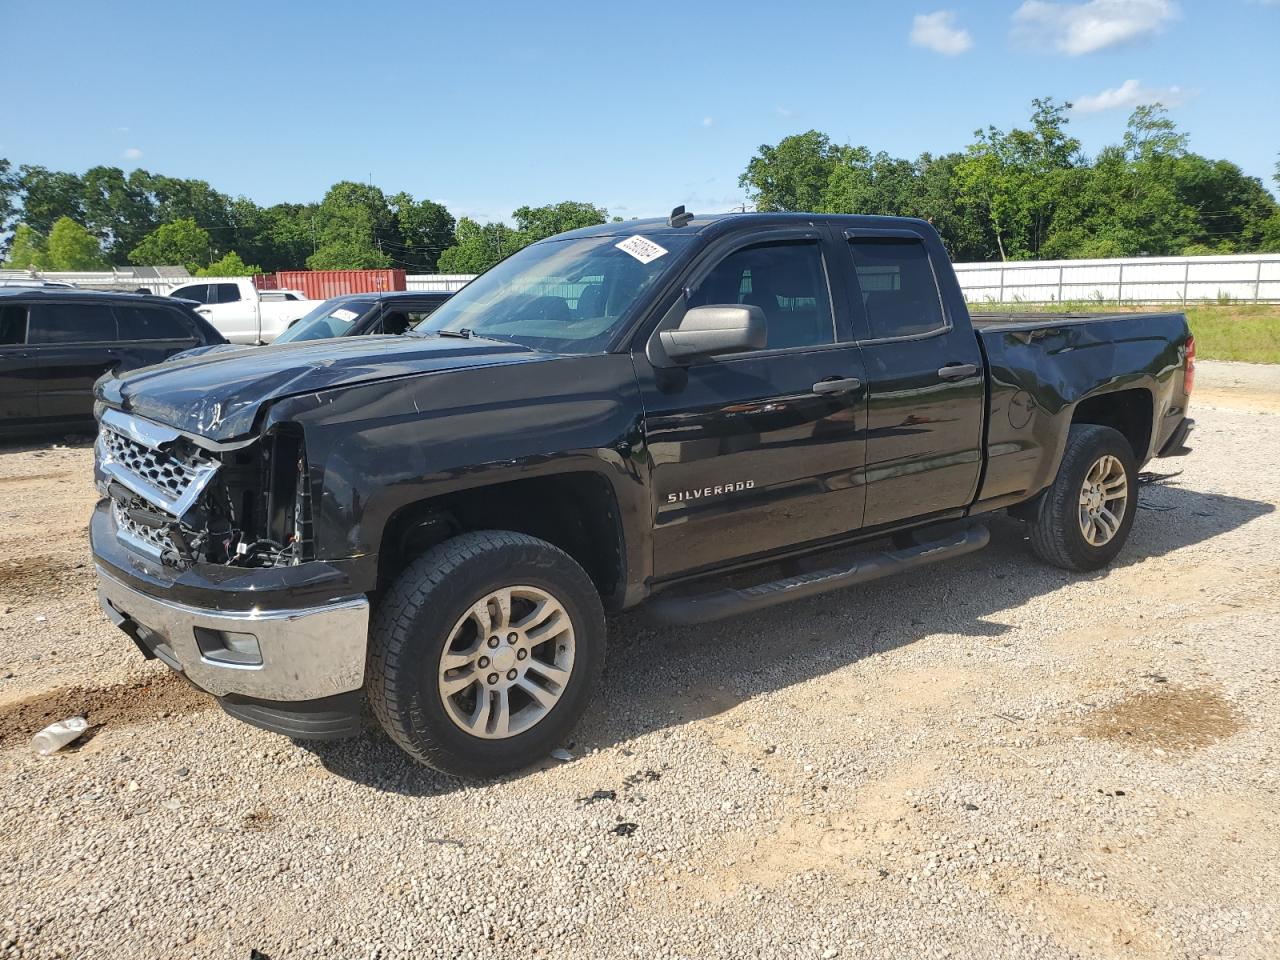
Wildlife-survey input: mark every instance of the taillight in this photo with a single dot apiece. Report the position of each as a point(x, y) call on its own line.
point(1189, 374)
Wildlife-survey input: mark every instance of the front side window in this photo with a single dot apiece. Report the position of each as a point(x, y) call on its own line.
point(899, 292)
point(563, 296)
point(13, 324)
point(198, 292)
point(71, 323)
point(785, 280)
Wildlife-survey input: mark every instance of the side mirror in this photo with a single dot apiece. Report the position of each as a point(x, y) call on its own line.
point(713, 330)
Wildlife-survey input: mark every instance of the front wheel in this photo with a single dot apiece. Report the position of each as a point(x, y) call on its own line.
point(485, 653)
point(1083, 519)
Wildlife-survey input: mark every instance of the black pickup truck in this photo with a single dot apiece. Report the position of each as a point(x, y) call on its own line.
point(436, 524)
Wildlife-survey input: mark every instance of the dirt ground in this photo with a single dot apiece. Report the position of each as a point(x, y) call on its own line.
point(987, 759)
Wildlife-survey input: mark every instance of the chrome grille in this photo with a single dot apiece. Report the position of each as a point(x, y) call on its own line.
point(142, 537)
point(154, 462)
point(156, 467)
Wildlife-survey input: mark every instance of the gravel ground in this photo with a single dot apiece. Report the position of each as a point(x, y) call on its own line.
point(985, 760)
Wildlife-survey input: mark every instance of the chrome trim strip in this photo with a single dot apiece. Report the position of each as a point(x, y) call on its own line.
point(307, 653)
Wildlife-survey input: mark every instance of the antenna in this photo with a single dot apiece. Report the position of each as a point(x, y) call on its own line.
point(679, 217)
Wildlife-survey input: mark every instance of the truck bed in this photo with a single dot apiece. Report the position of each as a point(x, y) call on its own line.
point(1028, 320)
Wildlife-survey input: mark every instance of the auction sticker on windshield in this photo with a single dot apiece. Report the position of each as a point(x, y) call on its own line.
point(344, 314)
point(643, 250)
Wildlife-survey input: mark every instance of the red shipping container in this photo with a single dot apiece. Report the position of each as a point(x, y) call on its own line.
point(323, 284)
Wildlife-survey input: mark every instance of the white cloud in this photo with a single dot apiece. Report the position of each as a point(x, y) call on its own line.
point(938, 32)
point(784, 111)
point(707, 121)
point(1079, 28)
point(133, 153)
point(1128, 95)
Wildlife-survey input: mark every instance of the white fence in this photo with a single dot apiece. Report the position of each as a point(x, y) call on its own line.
point(1250, 278)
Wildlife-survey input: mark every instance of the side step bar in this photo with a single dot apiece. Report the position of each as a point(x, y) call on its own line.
point(705, 607)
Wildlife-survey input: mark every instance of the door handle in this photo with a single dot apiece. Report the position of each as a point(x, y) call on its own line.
point(957, 371)
point(837, 385)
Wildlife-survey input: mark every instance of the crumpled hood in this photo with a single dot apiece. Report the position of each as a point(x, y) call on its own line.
point(218, 395)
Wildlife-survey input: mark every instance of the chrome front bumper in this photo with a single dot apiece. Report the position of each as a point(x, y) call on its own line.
point(303, 654)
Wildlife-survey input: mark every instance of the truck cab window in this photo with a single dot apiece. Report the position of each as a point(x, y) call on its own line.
point(899, 292)
point(785, 280)
point(13, 325)
point(198, 292)
point(226, 293)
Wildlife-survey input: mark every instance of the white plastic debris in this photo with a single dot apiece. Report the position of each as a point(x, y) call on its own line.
point(57, 735)
point(560, 753)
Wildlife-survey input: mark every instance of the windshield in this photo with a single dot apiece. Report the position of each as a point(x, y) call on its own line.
point(333, 318)
point(563, 296)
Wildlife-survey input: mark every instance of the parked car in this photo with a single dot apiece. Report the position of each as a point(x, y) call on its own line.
point(55, 343)
point(241, 312)
point(36, 282)
point(435, 524)
point(360, 314)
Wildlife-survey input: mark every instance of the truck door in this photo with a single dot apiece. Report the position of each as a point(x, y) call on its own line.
point(925, 382)
point(756, 452)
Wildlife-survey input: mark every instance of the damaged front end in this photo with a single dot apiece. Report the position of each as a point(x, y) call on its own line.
point(182, 501)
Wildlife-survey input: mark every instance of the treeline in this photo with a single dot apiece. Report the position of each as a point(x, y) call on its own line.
point(54, 220)
point(1017, 195)
point(1032, 194)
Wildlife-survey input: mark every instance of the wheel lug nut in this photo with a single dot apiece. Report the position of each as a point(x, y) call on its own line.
point(511, 674)
point(493, 678)
point(493, 641)
point(484, 662)
point(512, 638)
point(521, 654)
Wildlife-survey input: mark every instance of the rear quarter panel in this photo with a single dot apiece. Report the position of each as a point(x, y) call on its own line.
point(1040, 372)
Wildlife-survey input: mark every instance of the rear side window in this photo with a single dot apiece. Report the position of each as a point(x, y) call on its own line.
point(71, 323)
point(226, 293)
point(199, 293)
point(150, 323)
point(899, 292)
point(13, 324)
point(785, 280)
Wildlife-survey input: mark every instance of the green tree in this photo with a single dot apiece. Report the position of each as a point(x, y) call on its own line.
point(118, 210)
point(426, 230)
point(27, 251)
point(8, 200)
point(794, 174)
point(179, 243)
point(479, 247)
point(229, 265)
point(537, 223)
point(352, 223)
point(48, 195)
point(72, 247)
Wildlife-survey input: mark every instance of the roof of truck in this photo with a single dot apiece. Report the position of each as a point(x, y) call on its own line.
point(724, 222)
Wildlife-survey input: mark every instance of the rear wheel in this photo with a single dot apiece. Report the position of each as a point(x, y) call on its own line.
point(1082, 521)
point(485, 653)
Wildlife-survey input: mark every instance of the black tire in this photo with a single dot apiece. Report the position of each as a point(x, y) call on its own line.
point(414, 620)
point(1056, 535)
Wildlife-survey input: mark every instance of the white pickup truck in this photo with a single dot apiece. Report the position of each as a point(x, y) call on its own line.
point(241, 312)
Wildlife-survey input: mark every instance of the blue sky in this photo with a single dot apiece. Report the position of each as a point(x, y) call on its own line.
point(636, 106)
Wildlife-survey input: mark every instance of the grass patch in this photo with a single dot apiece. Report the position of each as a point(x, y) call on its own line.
point(1245, 332)
point(1230, 331)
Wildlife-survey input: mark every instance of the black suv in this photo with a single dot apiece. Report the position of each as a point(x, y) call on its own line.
point(361, 314)
point(55, 343)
